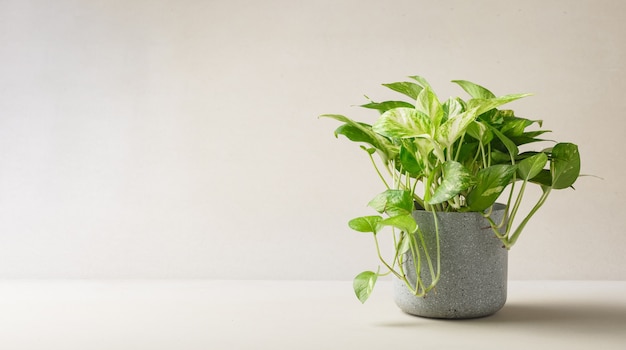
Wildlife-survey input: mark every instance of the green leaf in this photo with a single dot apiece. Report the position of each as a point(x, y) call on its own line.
point(544, 178)
point(393, 202)
point(493, 117)
point(510, 145)
point(498, 157)
point(383, 107)
point(452, 107)
point(403, 123)
point(452, 128)
point(365, 223)
point(531, 166)
point(403, 222)
point(363, 285)
point(455, 179)
point(356, 134)
point(362, 132)
point(514, 126)
point(369, 150)
point(410, 163)
point(480, 132)
point(420, 81)
point(406, 88)
point(491, 181)
point(485, 105)
point(565, 165)
point(528, 137)
point(428, 103)
point(475, 90)
point(467, 152)
point(404, 244)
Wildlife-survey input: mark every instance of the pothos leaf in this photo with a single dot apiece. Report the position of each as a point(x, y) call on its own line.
point(406, 88)
point(404, 244)
point(452, 107)
point(363, 285)
point(428, 103)
point(361, 132)
point(485, 105)
point(452, 128)
point(403, 222)
point(565, 165)
point(491, 181)
point(475, 90)
point(393, 202)
point(410, 163)
point(510, 145)
point(531, 166)
point(455, 179)
point(355, 133)
point(421, 81)
point(480, 132)
point(403, 123)
point(365, 223)
point(384, 106)
point(543, 178)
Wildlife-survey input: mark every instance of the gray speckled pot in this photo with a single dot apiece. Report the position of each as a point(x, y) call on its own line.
point(473, 268)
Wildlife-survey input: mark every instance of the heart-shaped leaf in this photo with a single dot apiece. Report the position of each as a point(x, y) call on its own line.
point(544, 178)
point(565, 165)
point(455, 179)
point(451, 129)
point(409, 161)
point(404, 244)
point(452, 107)
point(404, 223)
point(421, 81)
point(363, 285)
point(480, 132)
point(428, 103)
point(393, 202)
point(361, 132)
point(406, 88)
point(531, 166)
point(403, 123)
point(366, 223)
point(491, 181)
point(383, 107)
point(510, 145)
point(475, 90)
point(485, 105)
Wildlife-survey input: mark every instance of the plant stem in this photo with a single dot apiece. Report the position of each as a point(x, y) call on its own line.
point(518, 201)
point(458, 150)
point(417, 266)
point(508, 202)
point(519, 229)
point(428, 259)
point(378, 171)
point(482, 152)
point(380, 257)
point(436, 279)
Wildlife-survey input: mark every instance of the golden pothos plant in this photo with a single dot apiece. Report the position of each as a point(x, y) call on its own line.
point(453, 155)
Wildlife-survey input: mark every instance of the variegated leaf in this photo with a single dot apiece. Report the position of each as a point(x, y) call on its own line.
point(403, 123)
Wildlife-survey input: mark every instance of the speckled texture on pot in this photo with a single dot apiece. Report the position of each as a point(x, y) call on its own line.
point(473, 268)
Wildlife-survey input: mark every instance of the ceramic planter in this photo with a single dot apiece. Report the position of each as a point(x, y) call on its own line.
point(473, 278)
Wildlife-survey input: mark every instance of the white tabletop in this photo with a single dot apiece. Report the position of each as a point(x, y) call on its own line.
point(198, 314)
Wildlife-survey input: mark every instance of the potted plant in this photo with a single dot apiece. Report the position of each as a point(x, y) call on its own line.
point(444, 164)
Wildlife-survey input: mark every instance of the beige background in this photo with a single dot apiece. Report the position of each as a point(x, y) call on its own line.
point(180, 139)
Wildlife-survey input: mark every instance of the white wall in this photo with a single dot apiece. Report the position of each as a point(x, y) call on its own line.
point(162, 139)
